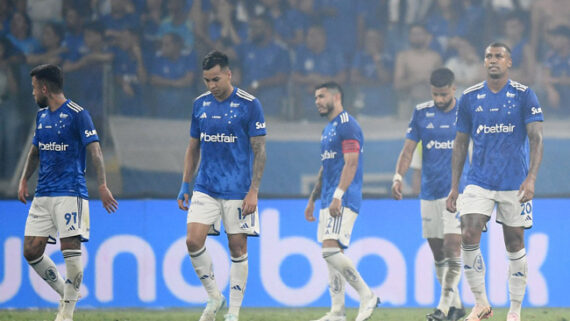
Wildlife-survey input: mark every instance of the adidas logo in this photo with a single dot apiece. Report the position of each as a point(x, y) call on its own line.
point(237, 288)
point(519, 274)
point(429, 126)
point(205, 276)
point(203, 116)
point(479, 109)
point(467, 267)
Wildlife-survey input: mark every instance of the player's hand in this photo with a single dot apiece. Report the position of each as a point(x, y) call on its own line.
point(184, 196)
point(23, 191)
point(249, 204)
point(309, 210)
point(526, 190)
point(397, 190)
point(335, 207)
point(109, 202)
point(451, 202)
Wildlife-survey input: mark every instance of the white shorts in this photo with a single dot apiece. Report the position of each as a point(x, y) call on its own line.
point(66, 215)
point(510, 211)
point(336, 228)
point(437, 220)
point(207, 210)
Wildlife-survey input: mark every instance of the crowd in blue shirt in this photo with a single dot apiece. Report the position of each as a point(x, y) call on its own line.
point(142, 57)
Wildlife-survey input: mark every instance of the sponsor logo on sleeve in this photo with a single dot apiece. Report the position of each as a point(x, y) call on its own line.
point(89, 133)
point(259, 125)
point(536, 110)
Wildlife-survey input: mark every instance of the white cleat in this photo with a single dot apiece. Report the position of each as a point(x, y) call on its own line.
point(480, 312)
point(230, 317)
point(512, 316)
point(367, 307)
point(213, 306)
point(332, 316)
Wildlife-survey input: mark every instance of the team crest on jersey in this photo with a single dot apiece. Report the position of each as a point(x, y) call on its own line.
point(62, 115)
point(234, 105)
point(206, 103)
point(430, 114)
point(510, 95)
point(481, 96)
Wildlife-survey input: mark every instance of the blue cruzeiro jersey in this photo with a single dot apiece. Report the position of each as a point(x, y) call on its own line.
point(496, 123)
point(224, 130)
point(61, 137)
point(436, 130)
point(341, 129)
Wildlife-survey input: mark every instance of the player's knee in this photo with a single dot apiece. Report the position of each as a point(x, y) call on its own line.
point(514, 245)
point(32, 253)
point(193, 245)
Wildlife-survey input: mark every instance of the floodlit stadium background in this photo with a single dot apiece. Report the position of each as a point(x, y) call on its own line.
point(137, 258)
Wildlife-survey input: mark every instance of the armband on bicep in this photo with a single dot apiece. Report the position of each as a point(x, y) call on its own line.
point(350, 146)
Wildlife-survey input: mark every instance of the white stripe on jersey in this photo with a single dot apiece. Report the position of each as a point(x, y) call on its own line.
point(474, 87)
point(518, 85)
point(245, 95)
point(202, 95)
point(425, 105)
point(344, 117)
point(75, 107)
point(42, 109)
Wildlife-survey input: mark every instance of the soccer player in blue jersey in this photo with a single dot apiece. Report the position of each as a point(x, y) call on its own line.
point(503, 119)
point(64, 134)
point(433, 123)
point(227, 138)
point(339, 186)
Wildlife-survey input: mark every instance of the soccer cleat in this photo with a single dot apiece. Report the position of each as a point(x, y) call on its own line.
point(512, 316)
point(480, 312)
point(436, 315)
point(230, 317)
point(213, 306)
point(330, 316)
point(367, 307)
point(455, 314)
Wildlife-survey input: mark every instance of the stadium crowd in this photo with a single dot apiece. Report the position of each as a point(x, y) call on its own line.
point(141, 57)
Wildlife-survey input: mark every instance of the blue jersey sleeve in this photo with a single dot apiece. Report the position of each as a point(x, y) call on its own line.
point(349, 131)
point(531, 108)
point(413, 132)
point(464, 116)
point(194, 125)
point(86, 128)
point(256, 126)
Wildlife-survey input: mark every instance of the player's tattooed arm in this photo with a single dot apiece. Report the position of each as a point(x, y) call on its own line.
point(32, 162)
point(534, 132)
point(259, 157)
point(109, 203)
point(316, 193)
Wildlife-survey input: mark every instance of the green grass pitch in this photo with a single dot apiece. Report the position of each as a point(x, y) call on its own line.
point(262, 314)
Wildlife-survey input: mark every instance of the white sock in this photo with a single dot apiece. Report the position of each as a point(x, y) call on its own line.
point(474, 268)
point(440, 267)
point(342, 263)
point(336, 290)
point(450, 280)
point(73, 279)
point(518, 270)
point(238, 281)
point(46, 269)
point(202, 263)
point(456, 301)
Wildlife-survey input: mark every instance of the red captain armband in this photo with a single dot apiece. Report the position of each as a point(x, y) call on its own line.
point(350, 146)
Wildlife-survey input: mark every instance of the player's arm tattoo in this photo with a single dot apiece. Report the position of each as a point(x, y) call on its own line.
point(534, 132)
point(259, 157)
point(460, 146)
point(32, 162)
point(96, 154)
point(405, 158)
point(316, 193)
point(191, 159)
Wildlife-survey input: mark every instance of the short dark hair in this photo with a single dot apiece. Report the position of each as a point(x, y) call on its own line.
point(442, 77)
point(215, 58)
point(50, 75)
point(500, 45)
point(331, 85)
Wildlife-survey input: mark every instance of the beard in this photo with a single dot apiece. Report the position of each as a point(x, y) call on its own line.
point(42, 102)
point(445, 105)
point(329, 109)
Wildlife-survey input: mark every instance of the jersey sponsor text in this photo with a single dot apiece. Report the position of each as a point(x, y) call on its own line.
point(53, 146)
point(218, 138)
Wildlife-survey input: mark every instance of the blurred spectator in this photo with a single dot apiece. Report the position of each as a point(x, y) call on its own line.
point(556, 74)
point(172, 75)
point(177, 21)
point(11, 120)
point(121, 17)
point(314, 64)
point(466, 64)
point(339, 19)
point(371, 15)
point(5, 16)
point(224, 31)
point(73, 38)
point(546, 15)
point(20, 33)
point(150, 22)
point(371, 76)
point(515, 36)
point(474, 14)
point(42, 12)
point(51, 49)
point(297, 22)
point(401, 15)
point(444, 22)
point(84, 76)
point(130, 75)
point(413, 69)
point(276, 10)
point(265, 66)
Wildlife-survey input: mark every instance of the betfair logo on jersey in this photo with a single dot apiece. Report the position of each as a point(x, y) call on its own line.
point(328, 154)
point(536, 110)
point(218, 138)
point(259, 125)
point(496, 129)
point(53, 146)
point(89, 133)
point(440, 145)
